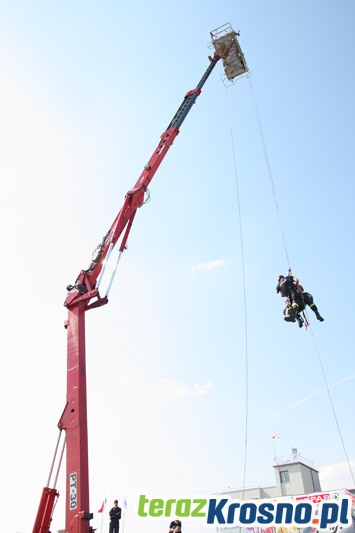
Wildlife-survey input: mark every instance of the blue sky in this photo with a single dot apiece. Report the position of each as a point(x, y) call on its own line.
point(87, 88)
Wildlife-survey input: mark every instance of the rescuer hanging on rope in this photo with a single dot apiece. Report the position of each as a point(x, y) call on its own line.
point(296, 299)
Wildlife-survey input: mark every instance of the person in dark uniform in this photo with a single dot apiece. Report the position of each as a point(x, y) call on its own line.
point(296, 299)
point(287, 286)
point(115, 516)
point(295, 306)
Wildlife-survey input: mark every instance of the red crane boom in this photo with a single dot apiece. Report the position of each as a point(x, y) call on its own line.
point(85, 295)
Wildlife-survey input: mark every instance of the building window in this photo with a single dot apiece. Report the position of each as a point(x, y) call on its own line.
point(284, 476)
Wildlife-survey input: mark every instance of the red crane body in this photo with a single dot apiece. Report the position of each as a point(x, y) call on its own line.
point(81, 297)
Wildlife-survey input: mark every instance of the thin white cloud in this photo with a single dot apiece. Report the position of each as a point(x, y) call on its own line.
point(207, 267)
point(308, 397)
point(337, 476)
point(172, 387)
point(200, 390)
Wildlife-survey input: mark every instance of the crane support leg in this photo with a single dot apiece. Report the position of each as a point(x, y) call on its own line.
point(45, 510)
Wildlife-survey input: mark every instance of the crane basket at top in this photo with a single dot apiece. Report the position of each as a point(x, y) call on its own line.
point(225, 42)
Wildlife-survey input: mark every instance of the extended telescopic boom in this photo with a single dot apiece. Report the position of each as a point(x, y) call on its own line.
point(85, 287)
point(84, 295)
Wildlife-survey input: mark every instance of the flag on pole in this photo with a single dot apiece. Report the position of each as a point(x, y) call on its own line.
point(103, 505)
point(275, 436)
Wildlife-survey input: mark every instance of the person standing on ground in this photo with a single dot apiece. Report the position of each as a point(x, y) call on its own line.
point(115, 516)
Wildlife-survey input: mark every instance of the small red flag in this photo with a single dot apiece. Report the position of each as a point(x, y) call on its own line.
point(101, 510)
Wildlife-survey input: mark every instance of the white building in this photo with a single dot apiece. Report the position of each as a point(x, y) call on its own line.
point(294, 475)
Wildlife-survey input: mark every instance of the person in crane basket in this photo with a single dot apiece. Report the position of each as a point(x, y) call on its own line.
point(296, 299)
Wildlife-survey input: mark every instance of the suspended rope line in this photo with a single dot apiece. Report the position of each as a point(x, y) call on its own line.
point(244, 294)
point(330, 399)
point(268, 166)
point(307, 322)
point(278, 213)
